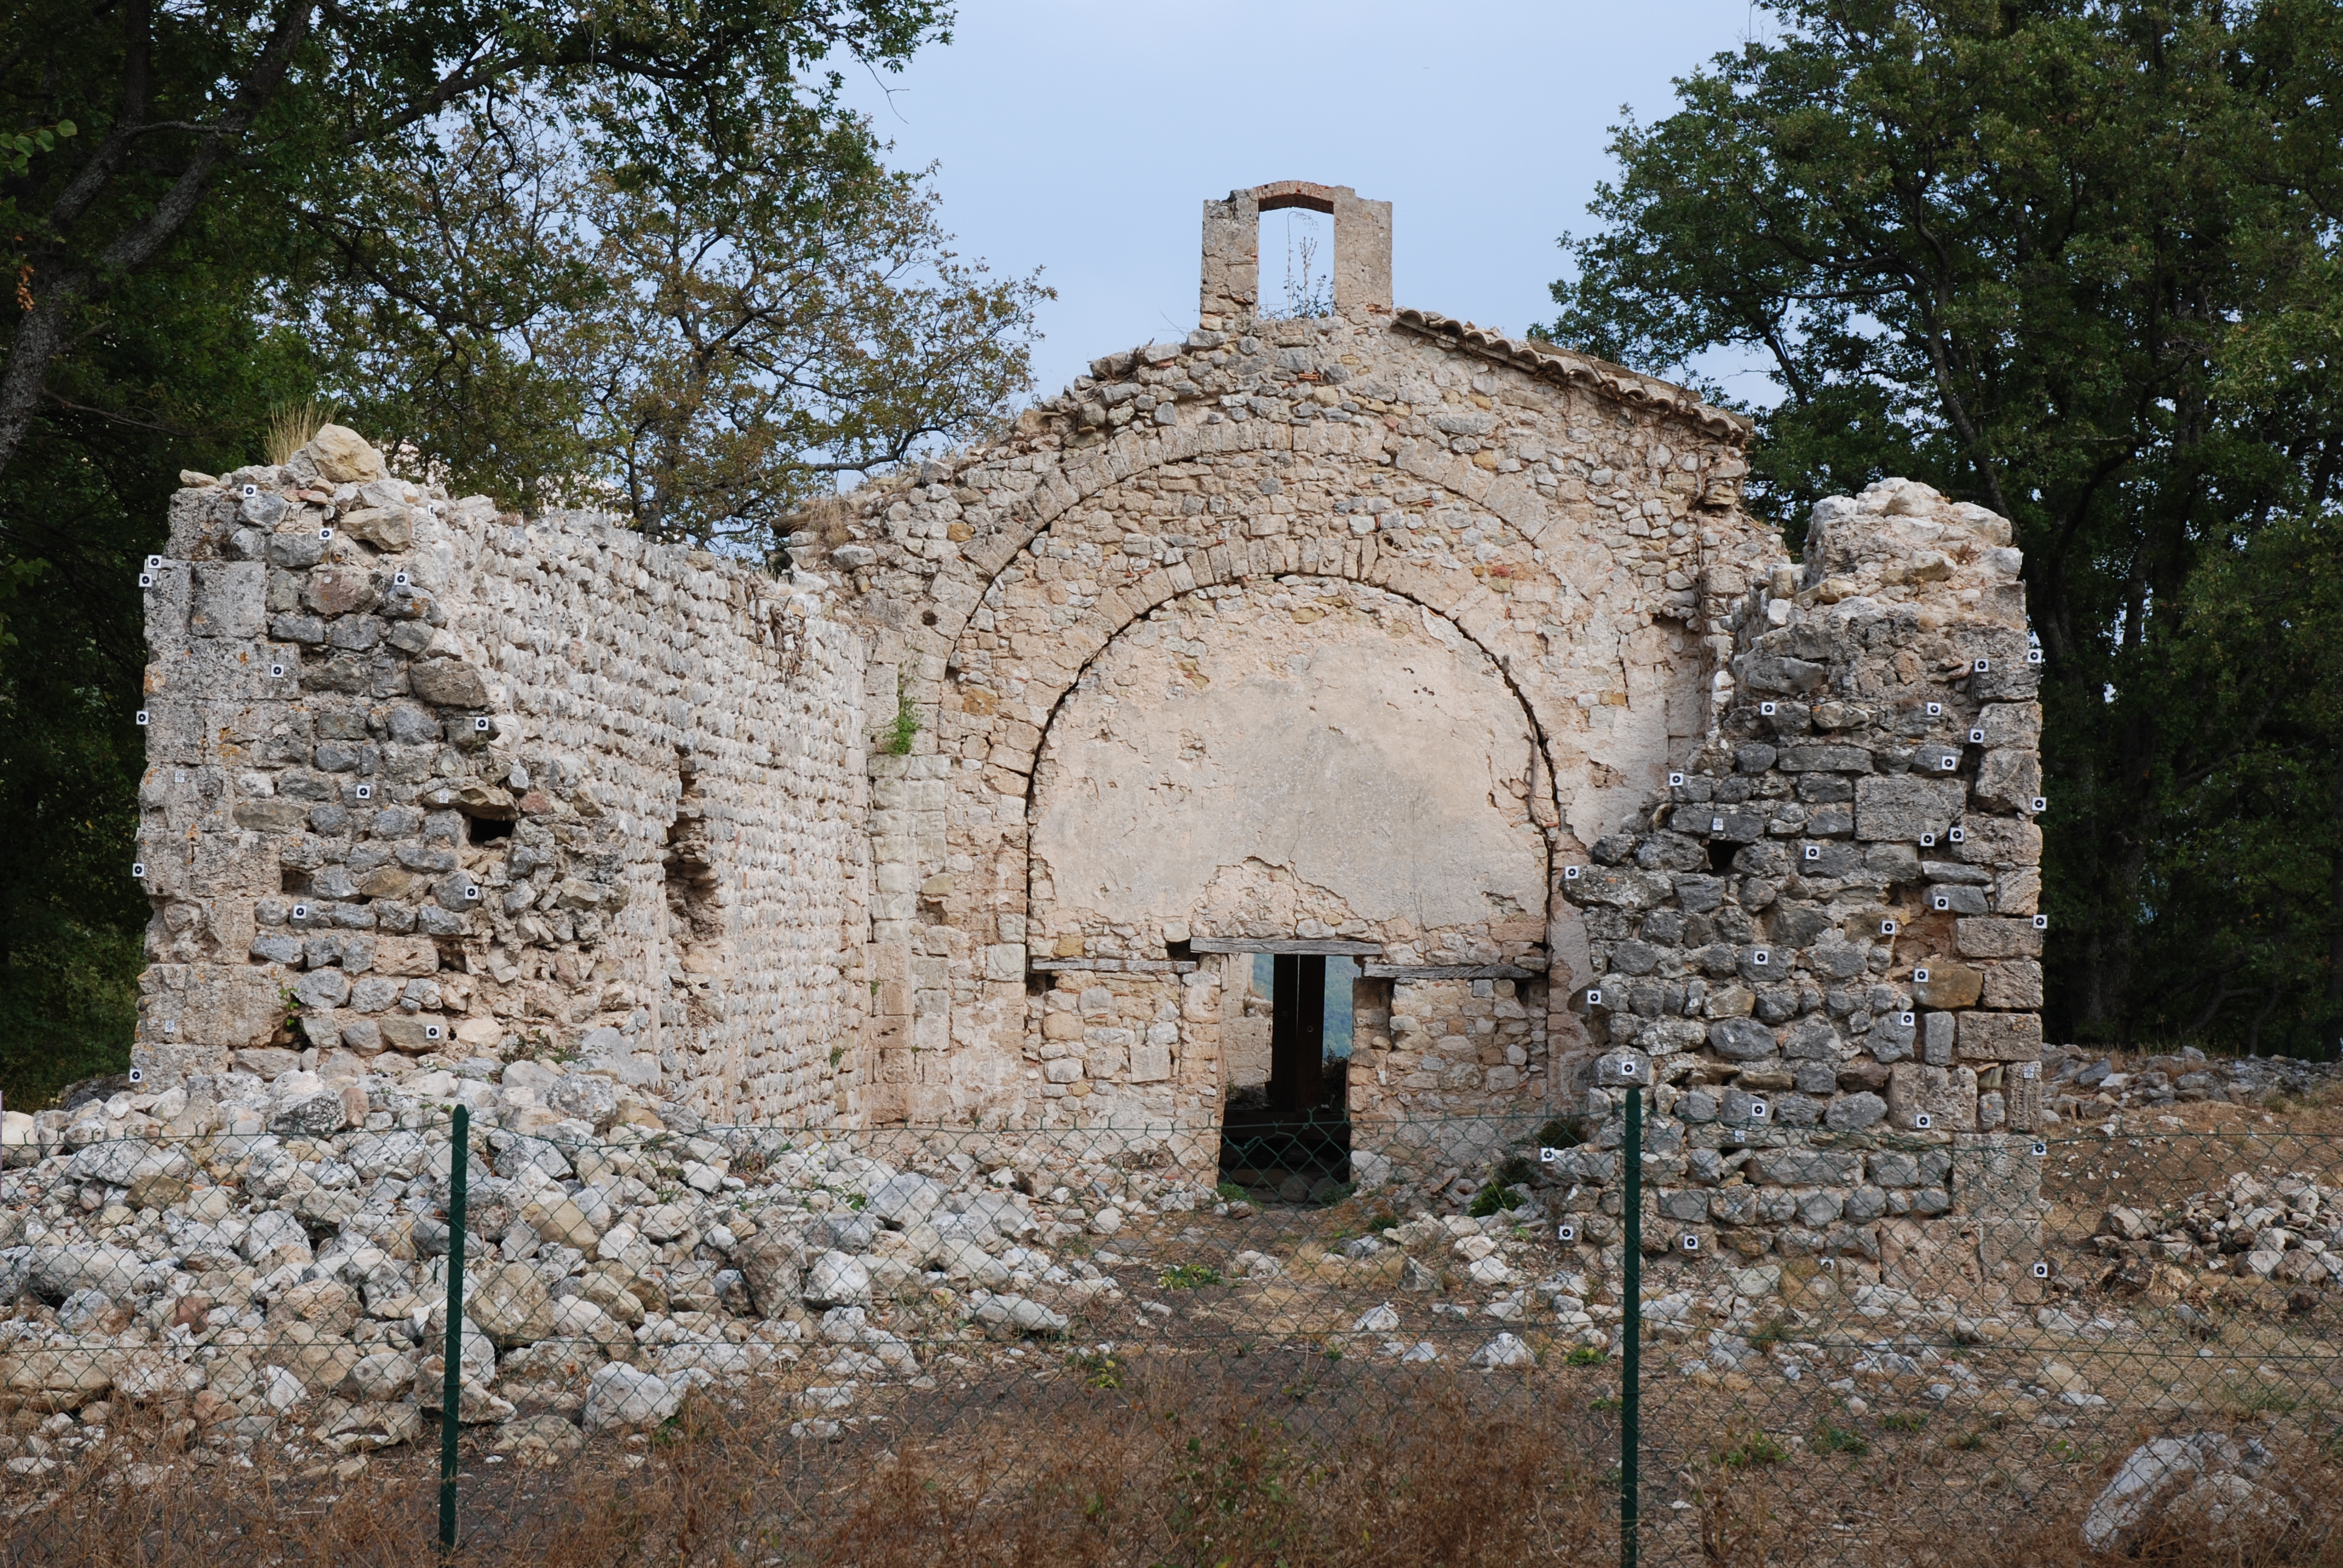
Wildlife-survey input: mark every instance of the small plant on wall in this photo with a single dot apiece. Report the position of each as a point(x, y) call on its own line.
point(907, 721)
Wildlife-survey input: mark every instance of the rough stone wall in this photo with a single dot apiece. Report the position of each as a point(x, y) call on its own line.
point(1372, 629)
point(1304, 759)
point(424, 782)
point(1578, 525)
point(1824, 935)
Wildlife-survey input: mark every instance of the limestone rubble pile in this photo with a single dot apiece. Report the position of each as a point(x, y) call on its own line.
point(283, 1247)
point(2289, 1229)
point(2084, 1086)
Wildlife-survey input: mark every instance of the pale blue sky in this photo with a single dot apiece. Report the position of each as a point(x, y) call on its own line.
point(1082, 137)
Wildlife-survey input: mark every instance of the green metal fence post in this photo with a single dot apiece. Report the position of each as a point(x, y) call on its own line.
point(451, 1390)
point(1631, 1325)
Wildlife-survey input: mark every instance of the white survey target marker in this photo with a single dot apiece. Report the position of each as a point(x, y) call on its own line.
point(1958, 835)
point(138, 871)
point(1919, 977)
point(1908, 1019)
point(1813, 852)
point(480, 725)
point(1976, 737)
point(138, 1075)
point(1570, 873)
point(1766, 708)
point(142, 718)
point(1935, 710)
point(1675, 780)
point(365, 791)
point(2041, 922)
point(1887, 928)
point(1691, 1242)
point(1921, 1121)
point(2041, 1270)
point(1565, 1233)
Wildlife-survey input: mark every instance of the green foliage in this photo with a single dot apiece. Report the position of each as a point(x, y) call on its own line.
point(1832, 1438)
point(1189, 1276)
point(1757, 1448)
point(1096, 1368)
point(489, 230)
point(1584, 1356)
point(2260, 1399)
point(1904, 1421)
point(1492, 1199)
point(906, 728)
point(1231, 1192)
point(704, 345)
point(1562, 1132)
point(16, 150)
point(2080, 263)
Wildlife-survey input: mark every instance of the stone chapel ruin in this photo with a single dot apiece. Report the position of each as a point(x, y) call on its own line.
point(1372, 639)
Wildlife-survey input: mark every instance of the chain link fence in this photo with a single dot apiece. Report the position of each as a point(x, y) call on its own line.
point(776, 1346)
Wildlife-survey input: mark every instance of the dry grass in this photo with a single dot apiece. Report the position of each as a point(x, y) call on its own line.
point(1176, 1465)
point(291, 426)
point(1186, 1464)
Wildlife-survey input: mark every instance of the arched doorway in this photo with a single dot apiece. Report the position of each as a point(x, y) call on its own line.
point(1252, 783)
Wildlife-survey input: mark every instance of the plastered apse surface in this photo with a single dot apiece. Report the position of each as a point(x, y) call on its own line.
point(1350, 738)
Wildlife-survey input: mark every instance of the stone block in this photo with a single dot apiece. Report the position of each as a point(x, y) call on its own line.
point(1741, 1040)
point(1996, 1176)
point(2009, 781)
point(1999, 841)
point(2001, 1036)
point(1902, 808)
point(1948, 985)
point(1996, 937)
point(2018, 891)
point(1931, 1259)
point(230, 599)
point(1946, 1095)
point(2013, 983)
point(448, 683)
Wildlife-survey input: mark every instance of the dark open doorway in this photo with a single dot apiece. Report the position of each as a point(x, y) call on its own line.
point(1289, 1139)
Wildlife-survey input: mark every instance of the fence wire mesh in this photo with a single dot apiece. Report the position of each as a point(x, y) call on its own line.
point(762, 1345)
